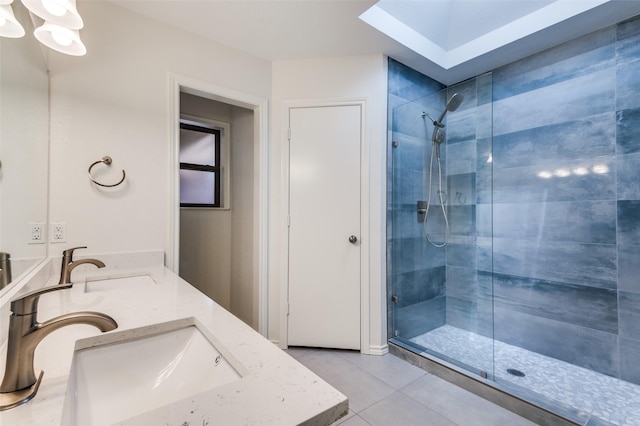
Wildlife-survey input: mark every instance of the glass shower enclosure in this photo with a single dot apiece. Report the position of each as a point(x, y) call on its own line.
point(487, 285)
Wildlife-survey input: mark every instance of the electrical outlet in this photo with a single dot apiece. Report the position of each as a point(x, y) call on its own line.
point(58, 232)
point(36, 233)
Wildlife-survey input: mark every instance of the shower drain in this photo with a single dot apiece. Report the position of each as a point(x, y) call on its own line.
point(515, 372)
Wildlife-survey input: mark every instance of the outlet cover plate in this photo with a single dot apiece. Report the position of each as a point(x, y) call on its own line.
point(58, 232)
point(37, 233)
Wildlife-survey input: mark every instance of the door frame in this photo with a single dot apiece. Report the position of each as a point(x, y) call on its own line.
point(260, 107)
point(364, 214)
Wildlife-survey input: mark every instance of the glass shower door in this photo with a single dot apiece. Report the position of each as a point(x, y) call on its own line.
point(440, 292)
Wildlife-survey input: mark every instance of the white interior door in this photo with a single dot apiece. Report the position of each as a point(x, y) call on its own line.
point(324, 210)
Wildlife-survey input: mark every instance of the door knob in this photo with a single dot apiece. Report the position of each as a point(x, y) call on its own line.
point(353, 239)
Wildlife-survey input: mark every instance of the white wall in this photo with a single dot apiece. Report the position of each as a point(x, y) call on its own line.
point(244, 218)
point(115, 101)
point(362, 77)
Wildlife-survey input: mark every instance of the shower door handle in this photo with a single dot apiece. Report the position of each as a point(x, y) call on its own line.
point(353, 239)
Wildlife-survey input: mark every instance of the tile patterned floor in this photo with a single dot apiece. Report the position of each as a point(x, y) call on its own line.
point(384, 391)
point(607, 398)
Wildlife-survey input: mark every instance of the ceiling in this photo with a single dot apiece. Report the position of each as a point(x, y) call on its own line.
point(449, 40)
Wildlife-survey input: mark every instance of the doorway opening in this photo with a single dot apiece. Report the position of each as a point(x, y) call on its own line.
point(217, 204)
point(221, 250)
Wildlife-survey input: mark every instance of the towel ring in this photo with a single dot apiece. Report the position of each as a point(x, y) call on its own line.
point(106, 160)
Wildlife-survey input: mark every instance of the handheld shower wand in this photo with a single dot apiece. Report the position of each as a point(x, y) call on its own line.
point(436, 139)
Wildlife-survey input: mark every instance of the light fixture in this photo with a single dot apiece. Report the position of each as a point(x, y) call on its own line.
point(9, 25)
point(61, 39)
point(60, 12)
point(580, 171)
point(600, 169)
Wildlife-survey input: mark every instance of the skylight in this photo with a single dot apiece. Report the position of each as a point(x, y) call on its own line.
point(452, 32)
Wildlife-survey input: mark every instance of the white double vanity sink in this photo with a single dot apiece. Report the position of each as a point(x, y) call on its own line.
point(176, 358)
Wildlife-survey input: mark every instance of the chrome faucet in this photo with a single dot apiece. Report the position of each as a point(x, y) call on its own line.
point(68, 264)
point(25, 333)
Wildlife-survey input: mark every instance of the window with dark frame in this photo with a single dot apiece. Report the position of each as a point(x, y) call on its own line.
point(200, 171)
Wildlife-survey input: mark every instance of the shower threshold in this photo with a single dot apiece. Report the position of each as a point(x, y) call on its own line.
point(550, 391)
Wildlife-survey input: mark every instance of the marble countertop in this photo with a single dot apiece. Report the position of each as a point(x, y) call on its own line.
point(275, 389)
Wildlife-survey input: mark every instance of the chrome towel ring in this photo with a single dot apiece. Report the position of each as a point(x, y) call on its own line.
point(106, 160)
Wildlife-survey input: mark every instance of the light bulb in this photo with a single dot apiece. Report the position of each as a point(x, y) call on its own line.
point(54, 8)
point(61, 39)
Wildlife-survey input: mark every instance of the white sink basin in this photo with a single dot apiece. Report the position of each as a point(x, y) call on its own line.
point(123, 283)
point(116, 381)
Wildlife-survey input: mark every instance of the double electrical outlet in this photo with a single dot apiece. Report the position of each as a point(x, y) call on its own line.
point(37, 232)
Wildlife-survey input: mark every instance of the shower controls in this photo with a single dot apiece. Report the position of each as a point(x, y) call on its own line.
point(353, 239)
point(422, 209)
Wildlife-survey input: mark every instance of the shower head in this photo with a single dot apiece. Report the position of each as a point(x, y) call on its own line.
point(452, 105)
point(455, 101)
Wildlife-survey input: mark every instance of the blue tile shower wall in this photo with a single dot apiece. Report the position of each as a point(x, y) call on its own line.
point(416, 272)
point(545, 240)
point(566, 215)
point(468, 302)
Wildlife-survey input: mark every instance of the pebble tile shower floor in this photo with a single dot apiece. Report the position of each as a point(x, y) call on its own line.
point(608, 398)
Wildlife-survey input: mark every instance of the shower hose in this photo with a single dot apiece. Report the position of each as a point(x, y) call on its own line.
point(436, 149)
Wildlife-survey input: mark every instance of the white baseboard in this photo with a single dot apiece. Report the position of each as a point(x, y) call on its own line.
point(378, 350)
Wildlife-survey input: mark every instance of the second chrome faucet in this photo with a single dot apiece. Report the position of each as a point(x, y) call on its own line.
point(68, 264)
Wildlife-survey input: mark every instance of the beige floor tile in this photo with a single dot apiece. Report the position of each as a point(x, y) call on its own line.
point(401, 410)
point(352, 421)
point(459, 405)
point(361, 387)
point(388, 368)
point(386, 391)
